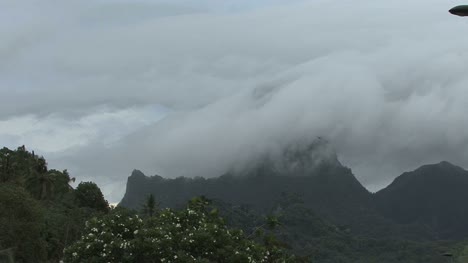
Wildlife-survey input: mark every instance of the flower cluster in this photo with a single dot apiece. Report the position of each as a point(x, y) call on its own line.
point(189, 235)
point(107, 239)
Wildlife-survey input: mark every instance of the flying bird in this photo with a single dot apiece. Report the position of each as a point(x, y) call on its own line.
point(461, 10)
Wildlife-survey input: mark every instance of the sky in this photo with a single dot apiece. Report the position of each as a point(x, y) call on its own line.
point(194, 88)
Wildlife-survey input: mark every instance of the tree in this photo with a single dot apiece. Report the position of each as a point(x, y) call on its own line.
point(41, 165)
point(64, 224)
point(62, 182)
point(194, 234)
point(21, 224)
point(150, 206)
point(16, 166)
point(40, 214)
point(6, 167)
point(42, 185)
point(89, 195)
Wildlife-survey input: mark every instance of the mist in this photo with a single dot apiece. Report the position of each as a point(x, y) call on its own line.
point(196, 88)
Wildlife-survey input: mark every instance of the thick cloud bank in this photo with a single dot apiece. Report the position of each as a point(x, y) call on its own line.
point(385, 82)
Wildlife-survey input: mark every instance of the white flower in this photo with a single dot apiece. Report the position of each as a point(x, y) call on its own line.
point(74, 254)
point(135, 232)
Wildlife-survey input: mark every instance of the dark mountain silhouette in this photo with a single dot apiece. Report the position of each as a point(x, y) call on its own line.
point(426, 204)
point(313, 172)
point(433, 195)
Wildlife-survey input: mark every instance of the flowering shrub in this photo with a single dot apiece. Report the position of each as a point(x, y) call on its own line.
point(189, 235)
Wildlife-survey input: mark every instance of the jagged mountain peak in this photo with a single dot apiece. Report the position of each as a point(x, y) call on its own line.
point(137, 173)
point(319, 151)
point(295, 159)
point(311, 170)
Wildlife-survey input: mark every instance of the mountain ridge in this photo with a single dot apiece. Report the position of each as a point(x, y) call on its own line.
point(434, 195)
point(329, 189)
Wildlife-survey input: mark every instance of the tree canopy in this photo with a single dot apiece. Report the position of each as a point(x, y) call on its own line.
point(193, 234)
point(89, 195)
point(21, 224)
point(40, 213)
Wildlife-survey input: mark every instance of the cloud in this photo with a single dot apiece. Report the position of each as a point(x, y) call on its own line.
point(385, 82)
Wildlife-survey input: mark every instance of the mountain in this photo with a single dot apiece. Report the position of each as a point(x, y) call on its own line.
point(433, 195)
point(325, 212)
point(426, 204)
point(312, 172)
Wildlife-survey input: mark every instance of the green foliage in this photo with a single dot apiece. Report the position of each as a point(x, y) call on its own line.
point(328, 214)
point(318, 240)
point(21, 224)
point(89, 195)
point(30, 171)
point(40, 215)
point(64, 224)
point(39, 211)
point(194, 234)
point(48, 184)
point(15, 166)
point(150, 206)
point(463, 255)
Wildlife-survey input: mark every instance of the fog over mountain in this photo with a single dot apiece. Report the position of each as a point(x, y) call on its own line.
point(198, 87)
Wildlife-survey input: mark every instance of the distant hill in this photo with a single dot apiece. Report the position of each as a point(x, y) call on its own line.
point(434, 195)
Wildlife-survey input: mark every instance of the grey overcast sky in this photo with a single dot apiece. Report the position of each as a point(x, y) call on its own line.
point(191, 88)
